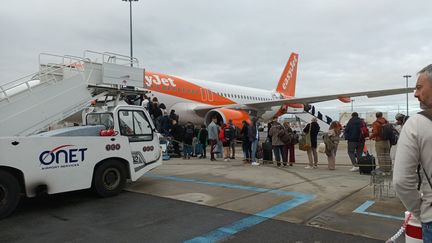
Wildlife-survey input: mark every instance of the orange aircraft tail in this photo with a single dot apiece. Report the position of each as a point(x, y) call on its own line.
point(287, 81)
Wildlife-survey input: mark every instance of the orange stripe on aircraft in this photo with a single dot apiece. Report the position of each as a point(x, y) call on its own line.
point(174, 86)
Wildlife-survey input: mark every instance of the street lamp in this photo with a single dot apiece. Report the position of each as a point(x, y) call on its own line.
point(352, 105)
point(407, 77)
point(130, 23)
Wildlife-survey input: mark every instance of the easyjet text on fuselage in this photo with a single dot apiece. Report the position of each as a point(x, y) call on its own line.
point(155, 79)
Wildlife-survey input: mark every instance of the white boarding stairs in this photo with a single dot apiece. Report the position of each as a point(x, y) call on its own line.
point(31, 104)
point(307, 117)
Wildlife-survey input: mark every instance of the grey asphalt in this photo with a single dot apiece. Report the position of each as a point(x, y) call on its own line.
point(139, 217)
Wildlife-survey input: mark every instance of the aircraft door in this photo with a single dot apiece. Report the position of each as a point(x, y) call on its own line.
point(210, 95)
point(203, 94)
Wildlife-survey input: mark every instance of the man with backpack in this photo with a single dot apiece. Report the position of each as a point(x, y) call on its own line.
point(226, 135)
point(353, 135)
point(413, 164)
point(187, 140)
point(213, 136)
point(233, 138)
point(380, 132)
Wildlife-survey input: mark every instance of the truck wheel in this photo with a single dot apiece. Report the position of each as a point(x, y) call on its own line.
point(9, 193)
point(109, 178)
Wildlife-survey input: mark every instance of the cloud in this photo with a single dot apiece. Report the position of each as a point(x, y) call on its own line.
point(343, 45)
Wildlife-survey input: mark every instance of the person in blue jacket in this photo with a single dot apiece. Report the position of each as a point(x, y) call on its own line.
point(352, 134)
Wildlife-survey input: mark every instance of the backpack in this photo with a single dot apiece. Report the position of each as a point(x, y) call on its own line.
point(364, 130)
point(330, 145)
point(228, 134)
point(189, 133)
point(222, 135)
point(296, 138)
point(285, 136)
point(389, 133)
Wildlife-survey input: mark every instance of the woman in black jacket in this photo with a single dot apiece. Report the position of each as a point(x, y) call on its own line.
point(313, 128)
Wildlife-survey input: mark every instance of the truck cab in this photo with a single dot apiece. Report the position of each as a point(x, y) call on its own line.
point(132, 122)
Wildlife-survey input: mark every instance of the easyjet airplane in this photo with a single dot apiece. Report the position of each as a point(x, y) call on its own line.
point(198, 101)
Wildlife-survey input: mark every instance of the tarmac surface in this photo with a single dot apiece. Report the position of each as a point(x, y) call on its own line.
point(198, 200)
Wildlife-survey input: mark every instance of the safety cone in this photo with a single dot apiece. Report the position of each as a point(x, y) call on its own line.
point(413, 231)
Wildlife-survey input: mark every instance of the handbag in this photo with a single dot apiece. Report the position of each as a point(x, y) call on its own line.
point(322, 148)
point(305, 142)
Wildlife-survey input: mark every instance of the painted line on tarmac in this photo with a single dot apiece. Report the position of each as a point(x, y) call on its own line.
point(362, 210)
point(245, 223)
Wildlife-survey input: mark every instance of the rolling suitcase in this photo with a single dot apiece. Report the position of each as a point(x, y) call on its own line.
point(267, 152)
point(366, 164)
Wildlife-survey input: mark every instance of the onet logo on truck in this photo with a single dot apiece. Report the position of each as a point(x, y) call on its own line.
point(62, 157)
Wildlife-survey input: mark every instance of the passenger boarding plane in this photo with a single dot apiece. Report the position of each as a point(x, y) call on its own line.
point(198, 101)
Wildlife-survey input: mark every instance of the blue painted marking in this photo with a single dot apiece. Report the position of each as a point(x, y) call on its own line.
point(234, 186)
point(362, 210)
point(226, 231)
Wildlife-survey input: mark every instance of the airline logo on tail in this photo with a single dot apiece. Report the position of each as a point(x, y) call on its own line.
point(287, 80)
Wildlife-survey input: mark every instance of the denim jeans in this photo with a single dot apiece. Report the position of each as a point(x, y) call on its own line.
point(187, 150)
point(427, 232)
point(254, 149)
point(246, 149)
point(277, 151)
point(355, 151)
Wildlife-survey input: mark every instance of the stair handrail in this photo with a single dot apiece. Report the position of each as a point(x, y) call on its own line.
point(15, 83)
point(111, 57)
point(53, 68)
point(125, 57)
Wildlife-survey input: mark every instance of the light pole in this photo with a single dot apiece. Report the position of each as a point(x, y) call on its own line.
point(407, 77)
point(130, 25)
point(352, 105)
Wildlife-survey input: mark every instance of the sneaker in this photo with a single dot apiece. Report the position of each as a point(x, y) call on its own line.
point(225, 160)
point(354, 169)
point(255, 163)
point(308, 167)
point(315, 167)
point(232, 157)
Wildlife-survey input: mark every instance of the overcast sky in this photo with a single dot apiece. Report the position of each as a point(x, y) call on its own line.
point(343, 46)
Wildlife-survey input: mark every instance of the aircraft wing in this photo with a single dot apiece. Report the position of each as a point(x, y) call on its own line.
point(266, 105)
point(315, 99)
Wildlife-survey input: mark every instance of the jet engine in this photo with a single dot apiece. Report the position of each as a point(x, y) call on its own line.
point(344, 99)
point(223, 114)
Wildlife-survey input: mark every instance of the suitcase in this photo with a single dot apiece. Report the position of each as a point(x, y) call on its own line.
point(366, 164)
point(267, 152)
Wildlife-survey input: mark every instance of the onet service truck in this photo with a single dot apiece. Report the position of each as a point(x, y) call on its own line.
point(114, 143)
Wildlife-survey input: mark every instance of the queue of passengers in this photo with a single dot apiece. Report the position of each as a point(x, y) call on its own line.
point(222, 138)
